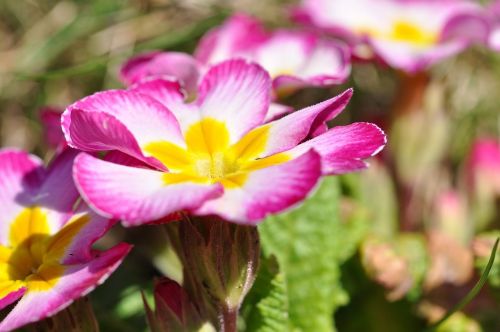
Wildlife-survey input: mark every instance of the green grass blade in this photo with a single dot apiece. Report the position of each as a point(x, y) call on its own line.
point(474, 291)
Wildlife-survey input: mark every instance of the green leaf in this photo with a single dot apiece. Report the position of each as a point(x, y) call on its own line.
point(310, 243)
point(268, 301)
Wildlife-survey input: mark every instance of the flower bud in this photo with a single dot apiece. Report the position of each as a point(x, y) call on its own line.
point(220, 264)
point(174, 310)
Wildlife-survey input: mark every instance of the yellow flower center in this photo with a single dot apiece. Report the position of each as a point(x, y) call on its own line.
point(210, 158)
point(412, 33)
point(31, 258)
point(403, 31)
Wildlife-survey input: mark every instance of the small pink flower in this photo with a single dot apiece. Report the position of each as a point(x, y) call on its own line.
point(409, 35)
point(214, 156)
point(46, 260)
point(294, 59)
point(483, 167)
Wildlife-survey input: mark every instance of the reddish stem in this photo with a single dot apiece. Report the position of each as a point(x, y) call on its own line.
point(228, 319)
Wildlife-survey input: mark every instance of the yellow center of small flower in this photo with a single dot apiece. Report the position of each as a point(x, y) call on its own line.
point(210, 158)
point(405, 32)
point(31, 258)
point(412, 33)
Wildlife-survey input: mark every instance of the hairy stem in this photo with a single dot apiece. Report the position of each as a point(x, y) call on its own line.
point(228, 319)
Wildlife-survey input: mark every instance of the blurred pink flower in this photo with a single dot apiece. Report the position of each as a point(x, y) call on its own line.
point(451, 217)
point(214, 156)
point(46, 257)
point(483, 167)
point(409, 35)
point(309, 60)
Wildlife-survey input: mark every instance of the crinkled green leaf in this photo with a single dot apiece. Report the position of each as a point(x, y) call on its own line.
point(268, 300)
point(310, 243)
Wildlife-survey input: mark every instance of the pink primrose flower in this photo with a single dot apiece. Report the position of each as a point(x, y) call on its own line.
point(294, 59)
point(409, 35)
point(483, 167)
point(46, 260)
point(213, 156)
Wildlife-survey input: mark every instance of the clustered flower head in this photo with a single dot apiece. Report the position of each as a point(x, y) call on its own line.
point(409, 35)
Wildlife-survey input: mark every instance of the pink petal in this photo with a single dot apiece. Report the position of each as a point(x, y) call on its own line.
point(136, 195)
point(175, 65)
point(51, 121)
point(290, 130)
point(12, 297)
point(398, 55)
point(235, 92)
point(20, 177)
point(298, 46)
point(235, 38)
point(119, 120)
point(77, 281)
point(58, 193)
point(327, 64)
point(80, 248)
point(171, 95)
point(267, 191)
point(310, 61)
point(277, 111)
point(343, 148)
point(132, 70)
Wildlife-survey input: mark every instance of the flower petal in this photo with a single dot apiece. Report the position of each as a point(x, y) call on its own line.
point(236, 93)
point(51, 121)
point(170, 94)
point(414, 60)
point(119, 120)
point(20, 176)
point(77, 281)
point(73, 243)
point(58, 193)
point(178, 66)
point(11, 291)
point(310, 60)
point(287, 132)
point(234, 38)
point(298, 46)
point(276, 111)
point(267, 190)
point(342, 148)
point(136, 195)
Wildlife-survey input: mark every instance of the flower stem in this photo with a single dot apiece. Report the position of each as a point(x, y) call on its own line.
point(228, 319)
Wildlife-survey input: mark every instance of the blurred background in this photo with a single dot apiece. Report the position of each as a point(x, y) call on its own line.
point(416, 250)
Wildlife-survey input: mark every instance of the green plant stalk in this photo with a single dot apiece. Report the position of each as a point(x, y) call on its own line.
point(474, 291)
